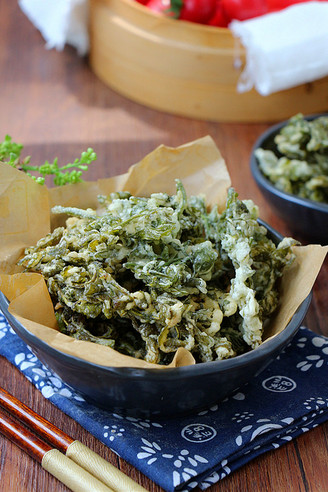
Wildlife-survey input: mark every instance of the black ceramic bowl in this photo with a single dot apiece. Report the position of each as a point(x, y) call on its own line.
point(159, 393)
point(308, 220)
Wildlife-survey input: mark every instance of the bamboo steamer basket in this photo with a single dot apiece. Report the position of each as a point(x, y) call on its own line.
point(184, 68)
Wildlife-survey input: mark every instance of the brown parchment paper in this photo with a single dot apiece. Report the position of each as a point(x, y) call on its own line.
point(25, 217)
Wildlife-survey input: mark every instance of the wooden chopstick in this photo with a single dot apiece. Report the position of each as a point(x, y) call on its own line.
point(22, 437)
point(52, 460)
point(41, 426)
point(74, 451)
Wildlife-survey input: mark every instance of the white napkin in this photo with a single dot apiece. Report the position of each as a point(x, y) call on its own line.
point(284, 49)
point(60, 22)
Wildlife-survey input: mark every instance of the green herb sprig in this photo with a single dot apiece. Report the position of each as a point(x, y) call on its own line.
point(10, 153)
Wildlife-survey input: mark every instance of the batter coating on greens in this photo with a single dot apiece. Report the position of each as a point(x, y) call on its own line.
point(146, 276)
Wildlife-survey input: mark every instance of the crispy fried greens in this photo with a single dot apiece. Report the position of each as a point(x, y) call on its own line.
point(146, 276)
point(300, 163)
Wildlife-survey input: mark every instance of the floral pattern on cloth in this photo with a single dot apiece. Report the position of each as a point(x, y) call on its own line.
point(288, 398)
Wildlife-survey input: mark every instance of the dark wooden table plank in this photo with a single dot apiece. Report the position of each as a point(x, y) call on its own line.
point(53, 104)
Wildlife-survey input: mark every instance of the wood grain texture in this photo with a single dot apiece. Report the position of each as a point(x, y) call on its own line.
point(52, 103)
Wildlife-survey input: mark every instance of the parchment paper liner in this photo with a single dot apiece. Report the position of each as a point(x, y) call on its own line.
point(25, 217)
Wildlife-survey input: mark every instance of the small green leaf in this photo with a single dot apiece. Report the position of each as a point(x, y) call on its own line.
point(10, 153)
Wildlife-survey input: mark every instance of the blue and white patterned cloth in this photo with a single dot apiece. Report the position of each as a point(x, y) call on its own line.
point(290, 397)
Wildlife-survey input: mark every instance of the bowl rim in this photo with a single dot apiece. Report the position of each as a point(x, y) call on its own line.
point(264, 181)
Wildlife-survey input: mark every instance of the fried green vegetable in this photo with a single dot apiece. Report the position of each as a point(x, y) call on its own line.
point(149, 275)
point(299, 165)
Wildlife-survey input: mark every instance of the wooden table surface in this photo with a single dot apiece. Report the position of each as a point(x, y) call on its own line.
point(52, 103)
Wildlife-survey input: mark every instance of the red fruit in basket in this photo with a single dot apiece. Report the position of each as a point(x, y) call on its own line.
point(244, 9)
point(199, 11)
point(219, 19)
point(143, 2)
point(274, 5)
point(161, 7)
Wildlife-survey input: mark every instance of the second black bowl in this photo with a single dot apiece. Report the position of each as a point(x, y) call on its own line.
point(307, 219)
